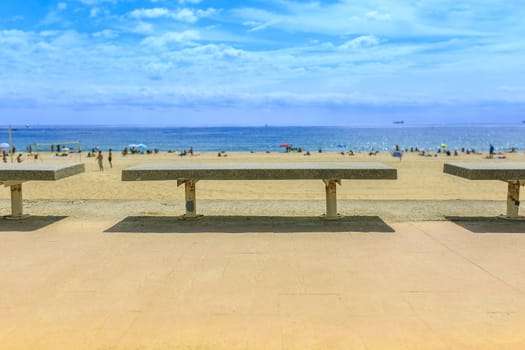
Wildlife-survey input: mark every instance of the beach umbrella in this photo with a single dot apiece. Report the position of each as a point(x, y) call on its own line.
point(443, 145)
point(4, 145)
point(285, 145)
point(137, 145)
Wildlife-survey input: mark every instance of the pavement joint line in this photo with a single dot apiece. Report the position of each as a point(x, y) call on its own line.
point(128, 328)
point(473, 263)
point(310, 294)
point(417, 314)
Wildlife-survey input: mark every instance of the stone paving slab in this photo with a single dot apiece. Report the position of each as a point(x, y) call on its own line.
point(487, 171)
point(259, 171)
point(38, 171)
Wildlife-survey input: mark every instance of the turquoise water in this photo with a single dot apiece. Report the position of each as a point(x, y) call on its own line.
point(259, 139)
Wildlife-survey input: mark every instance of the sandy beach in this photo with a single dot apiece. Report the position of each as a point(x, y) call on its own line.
point(422, 191)
point(418, 263)
point(419, 178)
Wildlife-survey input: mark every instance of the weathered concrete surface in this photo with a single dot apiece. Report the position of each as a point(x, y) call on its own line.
point(14, 175)
point(487, 171)
point(38, 171)
point(259, 171)
point(428, 285)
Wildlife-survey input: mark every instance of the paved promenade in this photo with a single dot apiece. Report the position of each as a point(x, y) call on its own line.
point(261, 283)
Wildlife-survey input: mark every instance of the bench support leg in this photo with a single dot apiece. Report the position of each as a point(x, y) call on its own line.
point(190, 197)
point(331, 199)
point(17, 209)
point(513, 199)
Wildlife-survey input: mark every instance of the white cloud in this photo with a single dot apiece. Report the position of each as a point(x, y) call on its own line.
point(94, 12)
point(51, 18)
point(206, 13)
point(14, 37)
point(189, 1)
point(97, 2)
point(143, 28)
point(150, 13)
point(61, 6)
point(49, 33)
point(360, 42)
point(264, 25)
point(106, 33)
point(382, 17)
point(184, 14)
point(378, 16)
point(156, 70)
point(212, 52)
point(377, 61)
point(184, 38)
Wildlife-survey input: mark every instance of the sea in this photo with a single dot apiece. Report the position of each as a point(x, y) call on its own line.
point(270, 138)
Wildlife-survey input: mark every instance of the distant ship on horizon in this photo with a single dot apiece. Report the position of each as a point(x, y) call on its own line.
point(403, 122)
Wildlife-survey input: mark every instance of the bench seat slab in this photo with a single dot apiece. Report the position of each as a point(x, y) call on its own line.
point(14, 174)
point(487, 171)
point(189, 173)
point(512, 173)
point(259, 171)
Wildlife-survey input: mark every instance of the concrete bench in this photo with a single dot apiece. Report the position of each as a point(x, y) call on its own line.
point(512, 173)
point(189, 173)
point(14, 175)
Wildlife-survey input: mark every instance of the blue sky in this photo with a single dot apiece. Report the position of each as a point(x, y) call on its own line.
point(203, 62)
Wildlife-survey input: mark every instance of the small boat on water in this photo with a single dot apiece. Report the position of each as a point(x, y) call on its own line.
point(399, 122)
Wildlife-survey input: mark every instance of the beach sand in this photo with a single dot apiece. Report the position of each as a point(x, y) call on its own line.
point(418, 263)
point(419, 178)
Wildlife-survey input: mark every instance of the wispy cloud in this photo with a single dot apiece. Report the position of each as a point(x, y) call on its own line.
point(151, 13)
point(280, 52)
point(186, 37)
point(97, 2)
point(106, 33)
point(360, 42)
point(94, 12)
point(55, 15)
point(184, 14)
point(143, 28)
point(378, 17)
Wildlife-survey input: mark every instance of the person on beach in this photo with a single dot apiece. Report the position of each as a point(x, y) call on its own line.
point(19, 158)
point(100, 158)
point(491, 151)
point(110, 158)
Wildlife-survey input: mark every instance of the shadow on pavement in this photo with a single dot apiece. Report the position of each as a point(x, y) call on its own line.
point(488, 224)
point(31, 223)
point(248, 224)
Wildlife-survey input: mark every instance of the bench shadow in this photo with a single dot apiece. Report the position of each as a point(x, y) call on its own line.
point(248, 224)
point(31, 223)
point(488, 224)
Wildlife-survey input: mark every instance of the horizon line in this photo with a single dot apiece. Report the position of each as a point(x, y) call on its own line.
point(378, 124)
